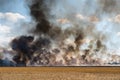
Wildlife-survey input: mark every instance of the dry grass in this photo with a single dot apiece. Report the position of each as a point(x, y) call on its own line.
point(60, 73)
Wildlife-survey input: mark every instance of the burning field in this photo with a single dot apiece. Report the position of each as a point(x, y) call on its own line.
point(67, 33)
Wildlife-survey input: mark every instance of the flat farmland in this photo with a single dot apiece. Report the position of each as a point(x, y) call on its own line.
point(60, 73)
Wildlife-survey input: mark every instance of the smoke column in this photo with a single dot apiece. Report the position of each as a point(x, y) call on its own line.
point(96, 18)
point(81, 27)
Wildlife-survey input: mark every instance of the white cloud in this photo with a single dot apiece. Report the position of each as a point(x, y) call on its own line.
point(4, 29)
point(63, 20)
point(14, 17)
point(117, 18)
point(10, 26)
point(5, 40)
point(80, 16)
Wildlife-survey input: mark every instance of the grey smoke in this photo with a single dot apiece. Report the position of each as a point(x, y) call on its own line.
point(67, 20)
point(102, 9)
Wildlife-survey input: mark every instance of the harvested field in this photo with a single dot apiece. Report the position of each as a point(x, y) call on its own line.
point(60, 73)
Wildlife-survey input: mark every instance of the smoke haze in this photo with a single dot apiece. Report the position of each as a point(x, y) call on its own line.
point(74, 32)
point(96, 19)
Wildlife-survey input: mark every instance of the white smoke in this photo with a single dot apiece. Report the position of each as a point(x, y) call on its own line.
point(12, 25)
point(98, 18)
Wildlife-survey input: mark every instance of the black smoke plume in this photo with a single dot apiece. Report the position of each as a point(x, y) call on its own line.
point(55, 45)
point(37, 10)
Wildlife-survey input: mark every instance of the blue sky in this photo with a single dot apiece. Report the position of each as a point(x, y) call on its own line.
point(12, 14)
point(15, 6)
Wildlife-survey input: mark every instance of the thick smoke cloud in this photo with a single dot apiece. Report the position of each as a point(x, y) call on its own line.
point(38, 12)
point(75, 32)
point(95, 20)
